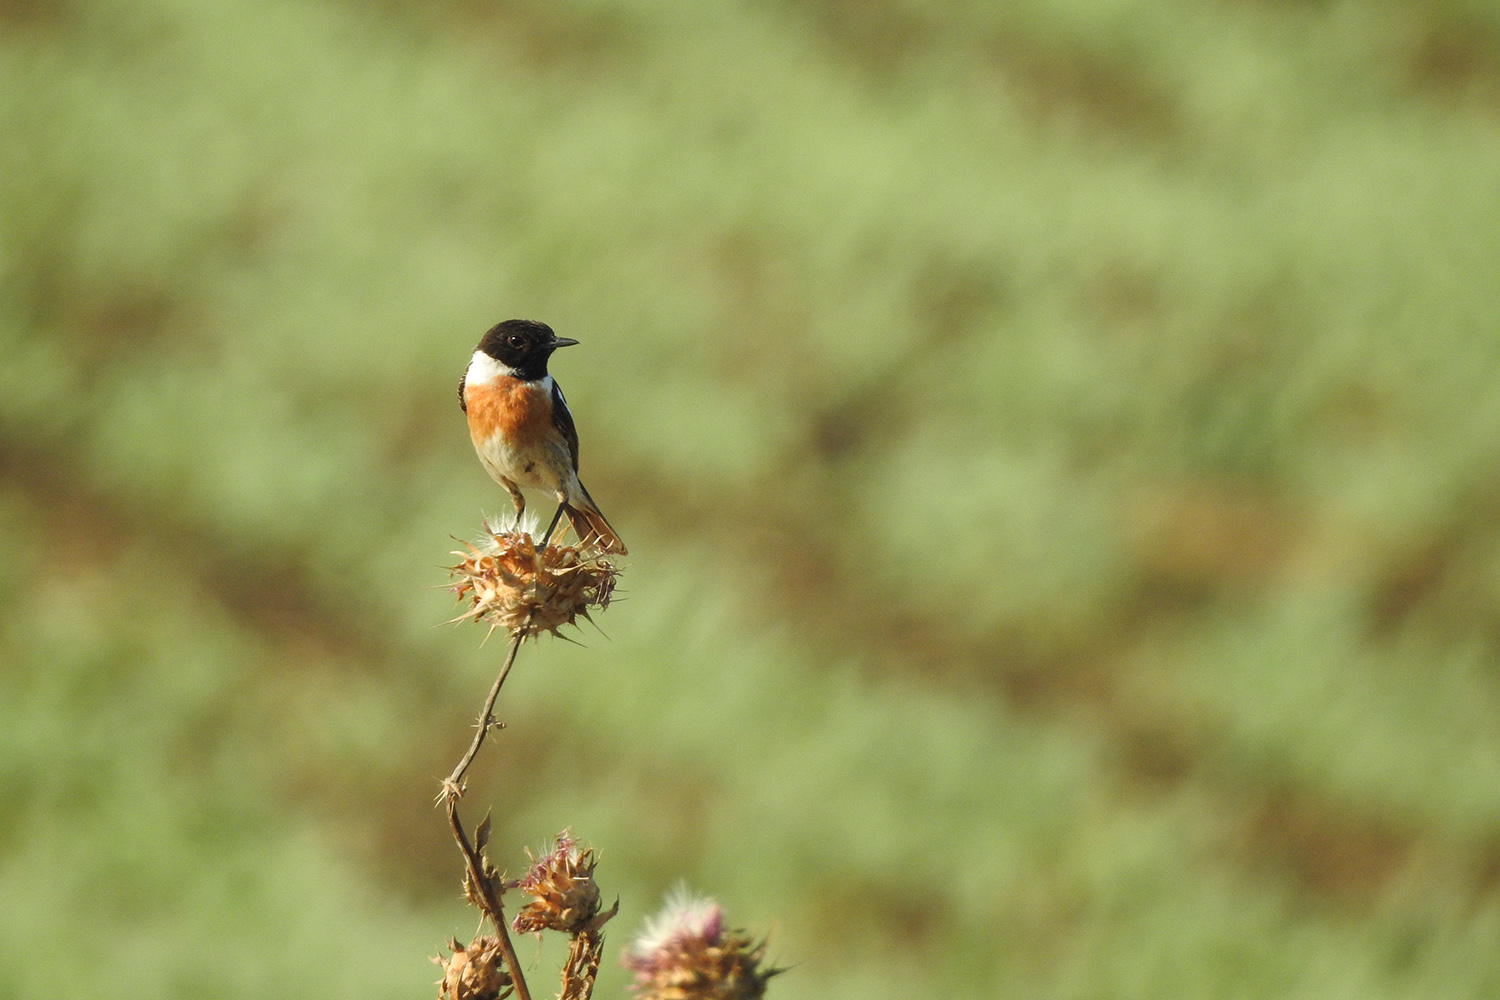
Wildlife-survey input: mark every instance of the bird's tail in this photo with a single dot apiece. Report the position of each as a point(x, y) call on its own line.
point(589, 525)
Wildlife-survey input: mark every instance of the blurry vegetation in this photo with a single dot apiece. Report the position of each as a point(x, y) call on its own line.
point(1059, 444)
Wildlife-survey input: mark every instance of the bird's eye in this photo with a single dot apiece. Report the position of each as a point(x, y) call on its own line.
point(515, 341)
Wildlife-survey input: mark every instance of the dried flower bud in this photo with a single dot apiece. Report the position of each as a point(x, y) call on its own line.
point(476, 972)
point(566, 898)
point(685, 954)
point(516, 588)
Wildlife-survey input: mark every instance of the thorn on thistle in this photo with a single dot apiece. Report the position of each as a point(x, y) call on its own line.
point(449, 791)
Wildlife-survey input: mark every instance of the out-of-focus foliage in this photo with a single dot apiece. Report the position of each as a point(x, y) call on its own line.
point(1058, 442)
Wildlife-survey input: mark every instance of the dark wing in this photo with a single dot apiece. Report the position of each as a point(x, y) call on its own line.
point(462, 380)
point(563, 421)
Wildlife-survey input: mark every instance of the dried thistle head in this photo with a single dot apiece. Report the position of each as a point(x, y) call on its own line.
point(475, 972)
point(514, 587)
point(686, 954)
point(561, 882)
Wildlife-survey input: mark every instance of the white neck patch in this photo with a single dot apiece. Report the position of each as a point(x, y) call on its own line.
point(483, 369)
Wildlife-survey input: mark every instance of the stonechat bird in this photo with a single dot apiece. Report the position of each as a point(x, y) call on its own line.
point(522, 429)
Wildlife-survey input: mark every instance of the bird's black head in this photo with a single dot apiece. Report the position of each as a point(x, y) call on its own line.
point(523, 345)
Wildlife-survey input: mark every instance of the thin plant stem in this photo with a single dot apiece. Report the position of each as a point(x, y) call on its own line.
point(453, 790)
point(491, 902)
point(452, 786)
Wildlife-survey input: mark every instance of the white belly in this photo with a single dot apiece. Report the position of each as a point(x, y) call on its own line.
point(531, 469)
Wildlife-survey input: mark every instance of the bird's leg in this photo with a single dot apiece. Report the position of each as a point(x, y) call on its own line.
point(517, 498)
point(542, 545)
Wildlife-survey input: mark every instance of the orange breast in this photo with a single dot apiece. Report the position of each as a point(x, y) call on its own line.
point(518, 410)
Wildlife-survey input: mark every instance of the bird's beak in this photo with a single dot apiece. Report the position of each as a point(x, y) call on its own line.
point(557, 342)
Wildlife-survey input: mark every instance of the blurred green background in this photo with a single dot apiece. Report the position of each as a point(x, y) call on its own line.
point(1058, 441)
